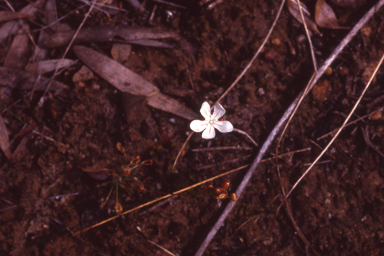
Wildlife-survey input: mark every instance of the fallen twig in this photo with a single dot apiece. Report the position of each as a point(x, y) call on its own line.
point(308, 36)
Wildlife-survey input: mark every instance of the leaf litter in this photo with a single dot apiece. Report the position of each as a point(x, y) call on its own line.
point(91, 116)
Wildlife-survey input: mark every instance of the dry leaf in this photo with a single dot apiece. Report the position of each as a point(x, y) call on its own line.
point(325, 17)
point(46, 66)
point(120, 52)
point(168, 104)
point(294, 10)
point(104, 33)
point(21, 151)
point(17, 54)
point(16, 57)
point(23, 80)
point(8, 15)
point(4, 140)
point(127, 81)
point(116, 74)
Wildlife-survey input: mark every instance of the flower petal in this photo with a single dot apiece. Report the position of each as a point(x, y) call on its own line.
point(206, 111)
point(218, 111)
point(223, 126)
point(209, 133)
point(198, 126)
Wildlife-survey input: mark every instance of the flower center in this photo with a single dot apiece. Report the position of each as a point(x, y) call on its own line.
point(211, 121)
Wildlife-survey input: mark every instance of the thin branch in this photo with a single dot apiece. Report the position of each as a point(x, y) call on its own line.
point(161, 247)
point(308, 36)
point(246, 135)
point(182, 149)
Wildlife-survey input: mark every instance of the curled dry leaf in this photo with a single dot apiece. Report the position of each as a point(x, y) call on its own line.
point(128, 81)
point(325, 17)
point(4, 140)
point(293, 8)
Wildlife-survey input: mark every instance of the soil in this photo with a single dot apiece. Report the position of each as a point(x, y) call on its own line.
point(47, 194)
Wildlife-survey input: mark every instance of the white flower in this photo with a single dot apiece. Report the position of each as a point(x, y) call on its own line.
point(211, 121)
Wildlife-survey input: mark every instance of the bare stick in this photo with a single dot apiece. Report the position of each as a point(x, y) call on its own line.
point(182, 149)
point(9, 5)
point(246, 135)
point(279, 125)
point(161, 247)
point(308, 36)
